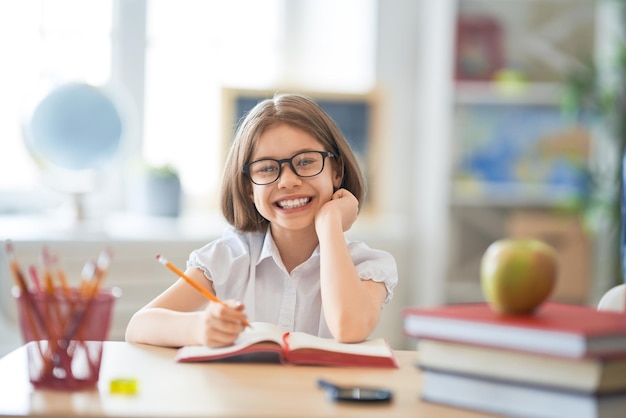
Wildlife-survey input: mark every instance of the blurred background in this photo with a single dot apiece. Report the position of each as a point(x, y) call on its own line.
point(477, 119)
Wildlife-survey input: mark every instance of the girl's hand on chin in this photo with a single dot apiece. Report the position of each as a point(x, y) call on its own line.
point(344, 204)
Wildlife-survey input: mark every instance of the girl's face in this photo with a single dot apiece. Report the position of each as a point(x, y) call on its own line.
point(291, 202)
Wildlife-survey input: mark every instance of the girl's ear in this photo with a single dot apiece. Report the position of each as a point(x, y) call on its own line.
point(337, 175)
point(250, 193)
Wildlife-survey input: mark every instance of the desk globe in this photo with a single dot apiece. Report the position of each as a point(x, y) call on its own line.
point(72, 132)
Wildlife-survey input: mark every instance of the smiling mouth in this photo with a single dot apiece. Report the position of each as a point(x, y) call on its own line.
point(293, 203)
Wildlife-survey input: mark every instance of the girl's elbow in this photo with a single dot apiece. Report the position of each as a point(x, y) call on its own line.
point(351, 331)
point(133, 330)
point(129, 335)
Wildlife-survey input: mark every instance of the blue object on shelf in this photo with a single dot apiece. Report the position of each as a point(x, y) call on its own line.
point(525, 144)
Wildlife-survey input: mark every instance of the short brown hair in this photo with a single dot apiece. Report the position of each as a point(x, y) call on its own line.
point(300, 112)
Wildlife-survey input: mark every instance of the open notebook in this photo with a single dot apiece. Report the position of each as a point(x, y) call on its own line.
point(262, 342)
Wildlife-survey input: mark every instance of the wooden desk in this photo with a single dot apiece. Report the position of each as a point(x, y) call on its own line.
point(170, 389)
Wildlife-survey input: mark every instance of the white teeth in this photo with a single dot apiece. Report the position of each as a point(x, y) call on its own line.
point(293, 203)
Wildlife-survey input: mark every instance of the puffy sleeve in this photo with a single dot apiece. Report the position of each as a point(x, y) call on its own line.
point(228, 256)
point(377, 265)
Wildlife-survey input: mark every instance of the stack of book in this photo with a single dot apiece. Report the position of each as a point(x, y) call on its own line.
point(563, 361)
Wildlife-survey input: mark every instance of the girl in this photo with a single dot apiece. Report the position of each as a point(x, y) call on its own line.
point(291, 188)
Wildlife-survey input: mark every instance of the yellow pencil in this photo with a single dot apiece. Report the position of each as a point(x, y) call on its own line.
point(210, 296)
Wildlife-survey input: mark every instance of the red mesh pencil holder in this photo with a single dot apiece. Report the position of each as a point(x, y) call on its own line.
point(64, 332)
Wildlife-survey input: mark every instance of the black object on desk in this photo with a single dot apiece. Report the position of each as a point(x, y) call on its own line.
point(354, 393)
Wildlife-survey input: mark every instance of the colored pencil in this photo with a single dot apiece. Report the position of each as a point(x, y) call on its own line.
point(33, 316)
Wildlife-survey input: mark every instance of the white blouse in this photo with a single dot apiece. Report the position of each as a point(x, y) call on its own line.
point(248, 267)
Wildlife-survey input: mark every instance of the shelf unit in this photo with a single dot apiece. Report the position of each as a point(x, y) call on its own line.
point(501, 193)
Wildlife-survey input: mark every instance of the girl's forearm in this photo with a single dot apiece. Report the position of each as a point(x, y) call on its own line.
point(350, 310)
point(163, 327)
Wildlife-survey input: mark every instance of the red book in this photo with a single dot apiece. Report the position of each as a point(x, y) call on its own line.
point(555, 329)
point(264, 342)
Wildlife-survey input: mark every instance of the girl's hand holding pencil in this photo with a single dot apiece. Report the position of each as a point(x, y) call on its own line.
point(210, 296)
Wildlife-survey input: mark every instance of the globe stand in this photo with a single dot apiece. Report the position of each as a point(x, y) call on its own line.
point(74, 184)
point(79, 206)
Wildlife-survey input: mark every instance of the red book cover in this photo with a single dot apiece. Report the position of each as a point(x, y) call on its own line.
point(556, 329)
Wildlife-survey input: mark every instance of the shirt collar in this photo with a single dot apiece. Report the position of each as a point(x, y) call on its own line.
point(269, 249)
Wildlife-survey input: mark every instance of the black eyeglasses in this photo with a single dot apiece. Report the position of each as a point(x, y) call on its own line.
point(304, 164)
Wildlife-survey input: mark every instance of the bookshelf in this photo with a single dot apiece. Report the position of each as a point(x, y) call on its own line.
point(518, 165)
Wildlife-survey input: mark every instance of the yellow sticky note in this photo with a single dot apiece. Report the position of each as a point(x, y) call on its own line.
point(124, 386)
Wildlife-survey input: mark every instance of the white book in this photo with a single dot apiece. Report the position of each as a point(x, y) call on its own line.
point(517, 400)
point(589, 374)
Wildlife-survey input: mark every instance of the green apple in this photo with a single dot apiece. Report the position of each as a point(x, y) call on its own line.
point(518, 275)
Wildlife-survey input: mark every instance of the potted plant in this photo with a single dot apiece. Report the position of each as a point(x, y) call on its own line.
point(157, 191)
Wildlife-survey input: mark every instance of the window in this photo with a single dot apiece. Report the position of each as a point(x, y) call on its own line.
point(173, 73)
point(43, 43)
point(195, 47)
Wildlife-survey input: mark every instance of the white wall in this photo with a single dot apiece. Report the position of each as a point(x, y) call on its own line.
point(414, 72)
